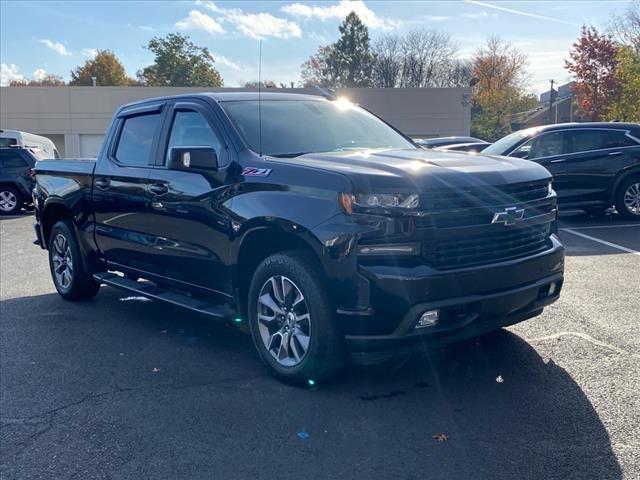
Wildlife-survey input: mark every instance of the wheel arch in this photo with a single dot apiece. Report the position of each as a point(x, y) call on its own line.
point(53, 212)
point(259, 242)
point(622, 176)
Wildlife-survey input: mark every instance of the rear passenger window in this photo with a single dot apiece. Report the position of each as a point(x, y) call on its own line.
point(11, 160)
point(136, 139)
point(619, 138)
point(585, 140)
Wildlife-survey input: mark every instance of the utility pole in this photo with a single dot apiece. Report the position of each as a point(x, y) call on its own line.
point(551, 100)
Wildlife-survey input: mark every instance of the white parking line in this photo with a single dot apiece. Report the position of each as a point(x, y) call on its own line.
point(583, 336)
point(604, 242)
point(607, 226)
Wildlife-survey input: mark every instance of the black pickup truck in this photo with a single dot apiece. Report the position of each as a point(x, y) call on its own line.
point(322, 229)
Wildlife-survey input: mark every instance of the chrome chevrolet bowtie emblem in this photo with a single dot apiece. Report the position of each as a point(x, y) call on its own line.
point(510, 216)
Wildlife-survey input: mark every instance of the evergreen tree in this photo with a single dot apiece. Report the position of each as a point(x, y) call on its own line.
point(350, 62)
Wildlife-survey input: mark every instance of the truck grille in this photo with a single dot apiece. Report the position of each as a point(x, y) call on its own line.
point(459, 233)
point(488, 248)
point(447, 199)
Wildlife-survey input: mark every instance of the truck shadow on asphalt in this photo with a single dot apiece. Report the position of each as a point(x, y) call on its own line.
point(165, 388)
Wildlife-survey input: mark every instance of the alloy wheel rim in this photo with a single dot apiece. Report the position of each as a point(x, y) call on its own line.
point(62, 262)
point(8, 201)
point(632, 198)
point(284, 321)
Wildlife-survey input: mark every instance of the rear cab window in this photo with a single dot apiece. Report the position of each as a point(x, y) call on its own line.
point(136, 138)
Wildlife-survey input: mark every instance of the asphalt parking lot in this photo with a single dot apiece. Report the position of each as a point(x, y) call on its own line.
point(120, 388)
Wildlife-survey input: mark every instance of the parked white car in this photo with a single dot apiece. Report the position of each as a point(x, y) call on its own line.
point(10, 138)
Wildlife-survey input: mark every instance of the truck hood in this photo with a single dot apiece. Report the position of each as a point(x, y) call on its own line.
point(419, 170)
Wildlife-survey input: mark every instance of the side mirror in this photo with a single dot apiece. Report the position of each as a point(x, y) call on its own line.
point(193, 158)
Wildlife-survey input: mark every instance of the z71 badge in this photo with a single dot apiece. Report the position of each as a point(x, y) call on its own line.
point(256, 172)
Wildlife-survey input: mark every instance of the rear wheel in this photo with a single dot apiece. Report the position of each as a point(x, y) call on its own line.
point(628, 198)
point(66, 265)
point(10, 200)
point(292, 321)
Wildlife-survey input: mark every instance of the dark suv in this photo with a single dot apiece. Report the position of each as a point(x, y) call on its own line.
point(594, 165)
point(17, 178)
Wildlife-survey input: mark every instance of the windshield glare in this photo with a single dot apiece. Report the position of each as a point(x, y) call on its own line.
point(296, 127)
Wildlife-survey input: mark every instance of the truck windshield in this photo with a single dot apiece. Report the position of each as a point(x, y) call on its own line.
point(294, 127)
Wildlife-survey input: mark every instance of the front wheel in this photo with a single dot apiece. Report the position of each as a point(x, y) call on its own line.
point(628, 198)
point(292, 321)
point(67, 268)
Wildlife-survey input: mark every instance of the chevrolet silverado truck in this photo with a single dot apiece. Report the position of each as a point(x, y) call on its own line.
point(323, 230)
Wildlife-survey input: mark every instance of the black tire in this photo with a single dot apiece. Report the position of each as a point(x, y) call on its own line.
point(74, 283)
point(325, 355)
point(11, 200)
point(622, 208)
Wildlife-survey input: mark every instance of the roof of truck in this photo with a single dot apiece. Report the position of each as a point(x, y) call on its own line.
point(236, 96)
point(230, 97)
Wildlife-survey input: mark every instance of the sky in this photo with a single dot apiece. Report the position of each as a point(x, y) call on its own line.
point(37, 38)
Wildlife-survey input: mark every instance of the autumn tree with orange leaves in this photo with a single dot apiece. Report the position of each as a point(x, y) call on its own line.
point(500, 88)
point(593, 60)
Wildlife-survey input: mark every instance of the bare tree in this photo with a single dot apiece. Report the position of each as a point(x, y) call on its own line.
point(456, 73)
point(387, 67)
point(625, 28)
point(263, 84)
point(425, 54)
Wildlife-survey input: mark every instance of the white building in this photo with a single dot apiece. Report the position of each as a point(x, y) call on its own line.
point(76, 118)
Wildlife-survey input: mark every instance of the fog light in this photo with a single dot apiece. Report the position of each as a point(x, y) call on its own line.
point(552, 289)
point(428, 319)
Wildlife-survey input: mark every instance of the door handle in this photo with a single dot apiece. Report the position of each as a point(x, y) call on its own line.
point(613, 154)
point(158, 188)
point(558, 160)
point(103, 183)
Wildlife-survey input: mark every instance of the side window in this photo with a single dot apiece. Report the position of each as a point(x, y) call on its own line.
point(136, 139)
point(619, 138)
point(7, 142)
point(191, 129)
point(545, 145)
point(586, 140)
point(11, 160)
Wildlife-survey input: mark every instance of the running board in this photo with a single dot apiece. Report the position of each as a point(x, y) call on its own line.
point(152, 291)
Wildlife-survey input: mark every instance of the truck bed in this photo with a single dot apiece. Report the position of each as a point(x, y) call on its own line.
point(73, 166)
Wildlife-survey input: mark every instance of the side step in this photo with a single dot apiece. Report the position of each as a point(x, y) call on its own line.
point(149, 290)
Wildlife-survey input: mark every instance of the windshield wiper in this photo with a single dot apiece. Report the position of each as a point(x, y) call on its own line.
point(288, 154)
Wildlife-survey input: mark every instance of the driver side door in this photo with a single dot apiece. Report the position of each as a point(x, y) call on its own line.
point(188, 209)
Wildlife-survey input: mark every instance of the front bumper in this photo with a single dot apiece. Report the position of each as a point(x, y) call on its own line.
point(471, 302)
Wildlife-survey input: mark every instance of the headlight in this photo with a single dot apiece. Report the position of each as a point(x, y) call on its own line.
point(378, 201)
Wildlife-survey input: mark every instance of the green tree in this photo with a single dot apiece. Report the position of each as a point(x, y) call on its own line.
point(350, 61)
point(626, 107)
point(499, 91)
point(179, 63)
point(105, 67)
